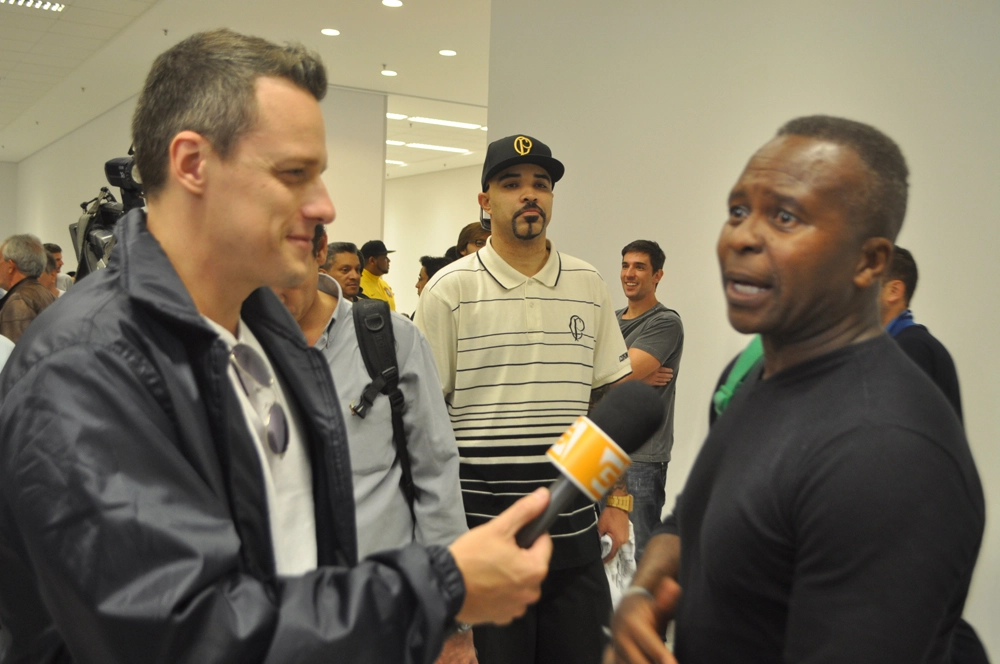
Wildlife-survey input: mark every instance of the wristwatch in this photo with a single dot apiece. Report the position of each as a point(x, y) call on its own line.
point(621, 502)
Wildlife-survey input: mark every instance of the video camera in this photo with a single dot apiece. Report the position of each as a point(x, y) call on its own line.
point(93, 234)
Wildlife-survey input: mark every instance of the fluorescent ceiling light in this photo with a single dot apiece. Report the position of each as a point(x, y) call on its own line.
point(35, 4)
point(395, 142)
point(388, 72)
point(392, 3)
point(447, 52)
point(395, 163)
point(330, 32)
point(445, 123)
point(483, 128)
point(395, 116)
point(439, 148)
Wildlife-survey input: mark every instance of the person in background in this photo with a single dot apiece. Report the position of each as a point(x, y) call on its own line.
point(429, 265)
point(23, 262)
point(63, 281)
point(48, 277)
point(385, 517)
point(654, 336)
point(343, 263)
point(376, 265)
point(898, 286)
point(523, 336)
point(834, 513)
point(471, 239)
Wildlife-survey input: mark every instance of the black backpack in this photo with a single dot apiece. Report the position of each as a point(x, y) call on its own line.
point(373, 324)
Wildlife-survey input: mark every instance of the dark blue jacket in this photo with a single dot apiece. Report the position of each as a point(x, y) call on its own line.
point(133, 515)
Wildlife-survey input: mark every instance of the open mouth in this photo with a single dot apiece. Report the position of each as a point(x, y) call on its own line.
point(748, 289)
point(743, 289)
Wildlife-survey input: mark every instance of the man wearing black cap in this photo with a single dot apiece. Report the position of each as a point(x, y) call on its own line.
point(521, 335)
point(376, 264)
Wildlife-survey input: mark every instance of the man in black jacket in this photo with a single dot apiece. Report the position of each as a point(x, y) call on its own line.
point(174, 474)
point(898, 287)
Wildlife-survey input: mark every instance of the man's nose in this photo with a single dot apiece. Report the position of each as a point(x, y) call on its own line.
point(319, 206)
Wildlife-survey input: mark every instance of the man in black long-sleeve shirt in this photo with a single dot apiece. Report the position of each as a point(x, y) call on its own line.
point(834, 513)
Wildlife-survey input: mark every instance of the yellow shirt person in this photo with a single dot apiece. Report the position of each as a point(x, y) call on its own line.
point(376, 264)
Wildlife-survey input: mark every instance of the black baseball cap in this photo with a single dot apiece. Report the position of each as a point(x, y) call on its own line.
point(520, 149)
point(374, 248)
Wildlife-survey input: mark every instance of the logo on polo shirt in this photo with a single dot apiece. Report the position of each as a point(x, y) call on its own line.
point(576, 327)
point(522, 145)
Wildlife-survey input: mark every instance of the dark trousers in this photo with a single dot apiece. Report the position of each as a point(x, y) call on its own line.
point(566, 625)
point(646, 481)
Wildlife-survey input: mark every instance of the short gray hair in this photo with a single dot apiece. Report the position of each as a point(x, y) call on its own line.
point(27, 253)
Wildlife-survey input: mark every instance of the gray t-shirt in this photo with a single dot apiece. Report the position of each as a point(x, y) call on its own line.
point(660, 333)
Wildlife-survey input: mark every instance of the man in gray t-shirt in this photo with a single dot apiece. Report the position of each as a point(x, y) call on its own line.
point(655, 338)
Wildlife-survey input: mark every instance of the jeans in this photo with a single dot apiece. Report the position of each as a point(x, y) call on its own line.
point(646, 484)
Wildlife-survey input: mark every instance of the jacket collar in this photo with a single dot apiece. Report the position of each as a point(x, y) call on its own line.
point(14, 288)
point(510, 278)
point(148, 276)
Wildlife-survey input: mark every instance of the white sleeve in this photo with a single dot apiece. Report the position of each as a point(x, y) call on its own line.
point(436, 320)
point(610, 354)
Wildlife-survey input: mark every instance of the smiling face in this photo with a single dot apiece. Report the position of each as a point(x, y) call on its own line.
point(638, 277)
point(791, 252)
point(519, 202)
point(266, 198)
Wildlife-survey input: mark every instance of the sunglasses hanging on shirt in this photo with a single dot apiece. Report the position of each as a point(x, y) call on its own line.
point(258, 384)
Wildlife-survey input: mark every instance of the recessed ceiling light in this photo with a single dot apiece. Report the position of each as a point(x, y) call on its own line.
point(395, 142)
point(448, 52)
point(392, 3)
point(445, 123)
point(395, 163)
point(388, 72)
point(439, 148)
point(395, 116)
point(35, 4)
point(330, 32)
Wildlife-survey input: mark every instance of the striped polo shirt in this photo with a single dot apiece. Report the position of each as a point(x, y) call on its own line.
point(518, 357)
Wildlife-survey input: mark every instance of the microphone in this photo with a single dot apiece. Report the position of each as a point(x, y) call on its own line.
point(593, 453)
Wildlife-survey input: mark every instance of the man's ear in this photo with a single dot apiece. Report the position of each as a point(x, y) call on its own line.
point(189, 153)
point(895, 291)
point(874, 259)
point(484, 201)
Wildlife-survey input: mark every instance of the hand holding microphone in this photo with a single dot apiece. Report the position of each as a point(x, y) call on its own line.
point(593, 453)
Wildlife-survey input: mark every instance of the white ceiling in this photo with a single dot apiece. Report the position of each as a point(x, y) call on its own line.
point(60, 70)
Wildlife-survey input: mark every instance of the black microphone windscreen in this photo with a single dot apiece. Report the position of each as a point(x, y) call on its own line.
point(629, 414)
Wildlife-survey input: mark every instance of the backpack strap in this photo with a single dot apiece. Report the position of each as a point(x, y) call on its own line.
point(373, 324)
point(748, 359)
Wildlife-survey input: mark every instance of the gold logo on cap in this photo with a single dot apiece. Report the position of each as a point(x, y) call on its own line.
point(522, 145)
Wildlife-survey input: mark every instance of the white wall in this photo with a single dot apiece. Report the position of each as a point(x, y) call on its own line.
point(53, 182)
point(355, 142)
point(423, 216)
point(655, 107)
point(8, 199)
